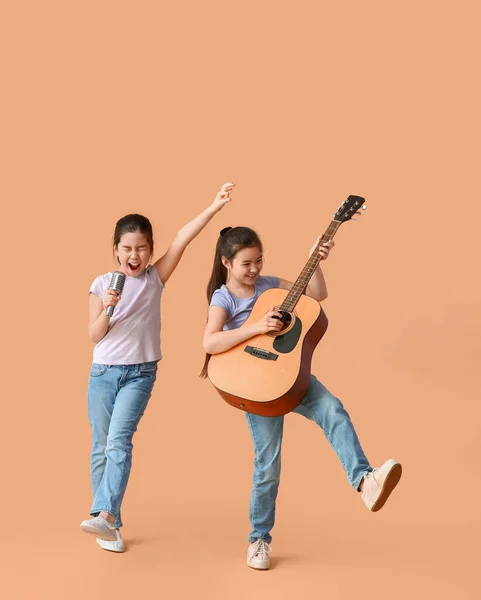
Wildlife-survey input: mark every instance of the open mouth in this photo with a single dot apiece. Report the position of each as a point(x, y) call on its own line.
point(134, 267)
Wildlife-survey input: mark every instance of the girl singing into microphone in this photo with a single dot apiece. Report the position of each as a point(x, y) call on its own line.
point(127, 349)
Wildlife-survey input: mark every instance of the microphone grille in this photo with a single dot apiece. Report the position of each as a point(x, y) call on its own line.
point(117, 281)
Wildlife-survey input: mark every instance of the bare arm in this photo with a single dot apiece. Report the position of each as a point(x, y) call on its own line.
point(317, 287)
point(216, 340)
point(98, 320)
point(167, 264)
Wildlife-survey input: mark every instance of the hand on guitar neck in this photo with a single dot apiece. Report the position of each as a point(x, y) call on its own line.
point(269, 374)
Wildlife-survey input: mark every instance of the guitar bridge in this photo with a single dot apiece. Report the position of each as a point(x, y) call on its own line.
point(260, 353)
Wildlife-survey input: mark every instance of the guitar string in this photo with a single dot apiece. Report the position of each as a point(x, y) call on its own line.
point(270, 340)
point(308, 270)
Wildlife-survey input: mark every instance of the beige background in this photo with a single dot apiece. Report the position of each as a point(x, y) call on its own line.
point(114, 107)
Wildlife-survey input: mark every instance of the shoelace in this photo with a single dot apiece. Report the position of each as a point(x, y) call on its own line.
point(367, 479)
point(262, 549)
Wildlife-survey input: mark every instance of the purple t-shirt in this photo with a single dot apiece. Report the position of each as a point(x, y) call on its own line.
point(134, 331)
point(238, 309)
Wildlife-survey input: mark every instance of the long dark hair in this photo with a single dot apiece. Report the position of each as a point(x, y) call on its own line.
point(131, 224)
point(231, 240)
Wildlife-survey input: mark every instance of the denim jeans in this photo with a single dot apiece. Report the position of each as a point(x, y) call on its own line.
point(327, 411)
point(117, 399)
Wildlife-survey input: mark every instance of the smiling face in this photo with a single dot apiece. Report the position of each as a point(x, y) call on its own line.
point(133, 253)
point(246, 265)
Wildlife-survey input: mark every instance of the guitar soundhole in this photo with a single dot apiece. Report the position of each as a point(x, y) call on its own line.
point(286, 322)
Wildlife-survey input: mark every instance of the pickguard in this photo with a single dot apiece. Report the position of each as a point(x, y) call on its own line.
point(287, 342)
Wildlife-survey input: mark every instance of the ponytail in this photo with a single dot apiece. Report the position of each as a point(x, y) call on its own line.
point(231, 240)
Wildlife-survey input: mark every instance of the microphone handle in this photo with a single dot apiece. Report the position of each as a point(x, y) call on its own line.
point(110, 311)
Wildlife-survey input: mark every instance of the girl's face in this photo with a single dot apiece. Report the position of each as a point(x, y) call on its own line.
point(134, 253)
point(246, 265)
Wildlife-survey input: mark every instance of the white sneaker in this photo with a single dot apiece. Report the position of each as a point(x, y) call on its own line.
point(99, 527)
point(258, 555)
point(379, 484)
point(115, 546)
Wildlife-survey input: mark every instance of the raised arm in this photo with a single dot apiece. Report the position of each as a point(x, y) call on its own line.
point(167, 264)
point(317, 287)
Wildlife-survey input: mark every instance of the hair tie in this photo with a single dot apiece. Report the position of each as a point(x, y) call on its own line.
point(225, 230)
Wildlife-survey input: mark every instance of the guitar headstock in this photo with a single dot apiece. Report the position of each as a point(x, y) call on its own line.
point(349, 207)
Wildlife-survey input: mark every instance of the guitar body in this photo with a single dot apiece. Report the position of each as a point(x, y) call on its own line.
point(268, 374)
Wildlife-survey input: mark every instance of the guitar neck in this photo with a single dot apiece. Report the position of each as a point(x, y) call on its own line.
point(302, 281)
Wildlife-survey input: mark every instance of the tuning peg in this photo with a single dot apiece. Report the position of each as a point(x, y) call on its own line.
point(363, 207)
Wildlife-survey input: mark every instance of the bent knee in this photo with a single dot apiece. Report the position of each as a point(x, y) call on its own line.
point(119, 443)
point(267, 471)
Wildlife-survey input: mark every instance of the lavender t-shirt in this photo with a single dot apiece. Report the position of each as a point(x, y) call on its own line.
point(238, 309)
point(134, 332)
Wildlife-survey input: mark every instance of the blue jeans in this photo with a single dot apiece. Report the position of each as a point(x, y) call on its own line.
point(327, 411)
point(117, 399)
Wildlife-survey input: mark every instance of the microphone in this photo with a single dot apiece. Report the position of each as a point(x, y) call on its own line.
point(116, 284)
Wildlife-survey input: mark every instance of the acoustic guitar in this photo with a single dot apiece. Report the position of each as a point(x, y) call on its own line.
point(268, 374)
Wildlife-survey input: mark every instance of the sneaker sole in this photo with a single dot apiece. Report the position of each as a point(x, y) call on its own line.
point(391, 481)
point(99, 534)
point(258, 568)
point(109, 549)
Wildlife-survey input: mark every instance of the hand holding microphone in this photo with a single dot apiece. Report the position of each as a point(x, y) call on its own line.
point(112, 296)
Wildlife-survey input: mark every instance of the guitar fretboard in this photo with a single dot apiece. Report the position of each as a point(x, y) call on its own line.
point(302, 281)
